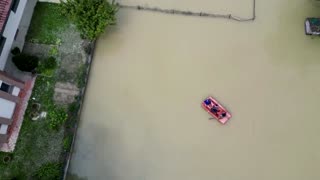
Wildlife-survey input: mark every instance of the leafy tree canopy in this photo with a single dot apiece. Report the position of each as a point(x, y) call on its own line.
point(90, 16)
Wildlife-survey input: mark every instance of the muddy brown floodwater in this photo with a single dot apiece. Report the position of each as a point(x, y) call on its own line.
point(142, 118)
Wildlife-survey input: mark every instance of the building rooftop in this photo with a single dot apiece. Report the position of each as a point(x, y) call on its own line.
point(4, 12)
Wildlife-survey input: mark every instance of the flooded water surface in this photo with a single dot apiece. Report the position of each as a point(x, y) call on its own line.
point(142, 118)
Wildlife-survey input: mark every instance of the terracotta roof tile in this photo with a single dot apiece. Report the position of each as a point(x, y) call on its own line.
point(4, 12)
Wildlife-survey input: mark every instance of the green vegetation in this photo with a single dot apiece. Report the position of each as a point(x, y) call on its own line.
point(49, 171)
point(25, 62)
point(54, 51)
point(5, 158)
point(67, 143)
point(81, 76)
point(73, 113)
point(57, 116)
point(37, 145)
point(90, 17)
point(47, 66)
point(47, 22)
point(43, 145)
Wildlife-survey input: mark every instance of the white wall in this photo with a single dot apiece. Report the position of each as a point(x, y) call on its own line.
point(7, 108)
point(16, 91)
point(10, 31)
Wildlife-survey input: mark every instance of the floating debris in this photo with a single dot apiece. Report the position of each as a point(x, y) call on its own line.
point(190, 13)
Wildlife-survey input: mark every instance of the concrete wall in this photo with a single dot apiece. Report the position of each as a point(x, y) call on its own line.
point(10, 68)
point(3, 138)
point(24, 24)
point(10, 31)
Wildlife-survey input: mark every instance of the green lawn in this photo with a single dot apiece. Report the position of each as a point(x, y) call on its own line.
point(41, 151)
point(37, 143)
point(39, 146)
point(47, 22)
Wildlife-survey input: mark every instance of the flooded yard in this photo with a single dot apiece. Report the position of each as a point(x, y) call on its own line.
point(142, 118)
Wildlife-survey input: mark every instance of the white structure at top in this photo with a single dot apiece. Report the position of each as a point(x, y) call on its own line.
point(10, 30)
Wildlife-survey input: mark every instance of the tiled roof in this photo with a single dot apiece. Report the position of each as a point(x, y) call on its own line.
point(4, 12)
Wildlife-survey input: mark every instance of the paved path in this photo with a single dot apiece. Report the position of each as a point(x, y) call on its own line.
point(65, 93)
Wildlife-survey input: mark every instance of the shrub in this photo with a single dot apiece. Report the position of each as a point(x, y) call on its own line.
point(58, 42)
point(57, 116)
point(18, 175)
point(54, 51)
point(90, 17)
point(67, 143)
point(47, 66)
point(51, 63)
point(73, 108)
point(15, 51)
point(49, 171)
point(25, 62)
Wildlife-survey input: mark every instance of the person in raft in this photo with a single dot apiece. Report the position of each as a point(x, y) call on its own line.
point(223, 115)
point(214, 109)
point(207, 102)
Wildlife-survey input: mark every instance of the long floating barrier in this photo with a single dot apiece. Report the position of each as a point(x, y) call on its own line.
point(191, 13)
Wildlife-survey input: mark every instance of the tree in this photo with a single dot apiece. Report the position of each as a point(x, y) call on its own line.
point(90, 16)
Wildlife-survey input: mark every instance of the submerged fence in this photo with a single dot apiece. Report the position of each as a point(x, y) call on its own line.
point(191, 13)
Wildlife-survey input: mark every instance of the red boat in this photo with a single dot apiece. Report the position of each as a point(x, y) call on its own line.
point(215, 109)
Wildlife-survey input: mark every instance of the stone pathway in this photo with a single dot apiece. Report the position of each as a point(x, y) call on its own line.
point(39, 50)
point(65, 93)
